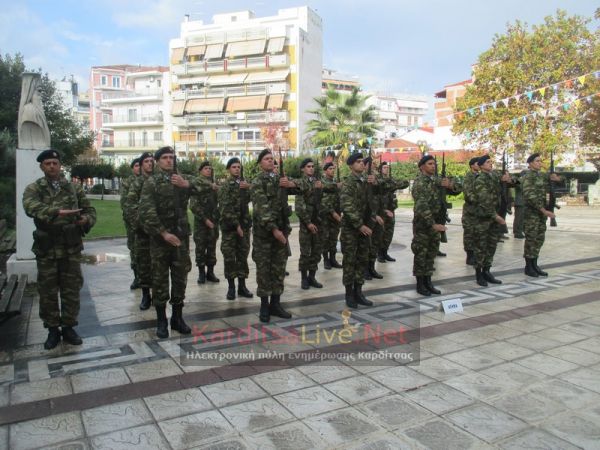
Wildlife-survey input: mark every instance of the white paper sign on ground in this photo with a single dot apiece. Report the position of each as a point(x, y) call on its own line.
point(452, 306)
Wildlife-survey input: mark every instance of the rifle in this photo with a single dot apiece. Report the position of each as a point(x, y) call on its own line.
point(182, 228)
point(368, 210)
point(317, 196)
point(285, 219)
point(442, 217)
point(505, 207)
point(552, 195)
point(243, 197)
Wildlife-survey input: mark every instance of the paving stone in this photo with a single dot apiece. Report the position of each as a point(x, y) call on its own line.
point(195, 429)
point(233, 391)
point(474, 359)
point(486, 422)
point(574, 355)
point(114, 417)
point(341, 426)
point(591, 344)
point(394, 412)
point(576, 429)
point(505, 350)
point(385, 442)
point(471, 338)
point(546, 364)
point(291, 436)
point(327, 371)
point(146, 437)
point(4, 395)
point(440, 368)
point(7, 373)
point(4, 436)
point(177, 403)
point(281, 381)
point(310, 401)
point(586, 378)
point(480, 386)
point(523, 325)
point(529, 407)
point(441, 346)
point(152, 370)
point(228, 444)
point(99, 379)
point(567, 394)
point(537, 343)
point(39, 390)
point(439, 398)
point(441, 435)
point(357, 389)
point(556, 334)
point(46, 431)
point(81, 444)
point(256, 415)
point(401, 378)
point(515, 373)
point(536, 439)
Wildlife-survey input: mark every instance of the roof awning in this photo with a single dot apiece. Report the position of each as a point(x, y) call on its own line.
point(177, 108)
point(191, 80)
point(177, 55)
point(275, 45)
point(225, 80)
point(275, 101)
point(262, 77)
point(387, 115)
point(198, 105)
point(255, 102)
point(197, 50)
point(245, 48)
point(214, 51)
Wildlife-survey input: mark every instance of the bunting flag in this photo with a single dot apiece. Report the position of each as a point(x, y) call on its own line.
point(581, 79)
point(529, 95)
point(542, 91)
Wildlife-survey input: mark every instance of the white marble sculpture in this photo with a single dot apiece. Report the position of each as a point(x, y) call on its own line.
point(33, 128)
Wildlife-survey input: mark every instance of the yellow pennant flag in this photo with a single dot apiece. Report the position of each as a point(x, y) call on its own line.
point(581, 79)
point(577, 102)
point(542, 91)
point(360, 142)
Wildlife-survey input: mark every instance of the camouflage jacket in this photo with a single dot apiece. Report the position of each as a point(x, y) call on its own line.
point(124, 190)
point(158, 209)
point(42, 203)
point(204, 204)
point(389, 186)
point(469, 191)
point(426, 195)
point(486, 191)
point(305, 201)
point(355, 203)
point(269, 211)
point(330, 202)
point(233, 206)
point(535, 187)
point(132, 202)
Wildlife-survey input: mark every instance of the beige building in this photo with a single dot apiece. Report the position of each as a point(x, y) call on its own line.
point(445, 108)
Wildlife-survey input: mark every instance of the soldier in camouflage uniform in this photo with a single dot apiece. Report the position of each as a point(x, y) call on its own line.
point(270, 219)
point(358, 220)
point(163, 215)
point(235, 229)
point(377, 236)
point(489, 226)
point(519, 209)
point(469, 218)
point(206, 225)
point(125, 184)
point(426, 232)
point(535, 186)
point(141, 238)
point(309, 191)
point(389, 186)
point(330, 216)
point(62, 214)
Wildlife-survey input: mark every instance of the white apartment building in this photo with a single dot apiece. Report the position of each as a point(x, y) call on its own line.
point(332, 79)
point(241, 74)
point(77, 106)
point(398, 113)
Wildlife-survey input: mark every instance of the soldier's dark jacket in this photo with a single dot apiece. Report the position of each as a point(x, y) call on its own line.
point(354, 202)
point(486, 191)
point(469, 192)
point(132, 202)
point(231, 209)
point(125, 186)
point(535, 184)
point(268, 207)
point(305, 200)
point(427, 201)
point(389, 186)
point(55, 237)
point(205, 204)
point(330, 202)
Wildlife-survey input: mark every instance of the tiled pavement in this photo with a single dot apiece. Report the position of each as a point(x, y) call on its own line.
point(518, 368)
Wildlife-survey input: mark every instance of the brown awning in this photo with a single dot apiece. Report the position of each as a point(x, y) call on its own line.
point(197, 50)
point(204, 105)
point(214, 51)
point(275, 45)
point(275, 101)
point(226, 80)
point(177, 55)
point(177, 107)
point(255, 102)
point(264, 77)
point(245, 48)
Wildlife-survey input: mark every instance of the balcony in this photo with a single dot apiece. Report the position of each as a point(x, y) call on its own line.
point(228, 36)
point(237, 91)
point(140, 144)
point(231, 119)
point(147, 95)
point(215, 146)
point(127, 120)
point(230, 65)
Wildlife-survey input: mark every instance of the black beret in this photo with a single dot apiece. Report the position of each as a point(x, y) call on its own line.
point(327, 165)
point(203, 164)
point(383, 163)
point(161, 151)
point(532, 157)
point(262, 154)
point(367, 160)
point(331, 154)
point(48, 154)
point(304, 162)
point(145, 155)
point(134, 162)
point(473, 160)
point(232, 161)
point(353, 157)
point(481, 161)
point(424, 159)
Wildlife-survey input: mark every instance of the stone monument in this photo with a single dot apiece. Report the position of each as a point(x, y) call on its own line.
point(34, 137)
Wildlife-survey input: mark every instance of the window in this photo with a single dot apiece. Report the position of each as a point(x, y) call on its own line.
point(144, 139)
point(248, 135)
point(105, 140)
point(116, 82)
point(200, 136)
point(105, 118)
point(158, 136)
point(132, 115)
point(223, 136)
point(103, 80)
point(132, 138)
point(158, 83)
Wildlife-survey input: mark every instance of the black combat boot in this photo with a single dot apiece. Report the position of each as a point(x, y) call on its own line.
point(439, 253)
point(360, 297)
point(201, 275)
point(430, 287)
point(177, 322)
point(388, 257)
point(210, 274)
point(275, 308)
point(470, 258)
point(53, 338)
point(489, 277)
point(367, 274)
point(135, 284)
point(333, 261)
point(162, 325)
point(479, 277)
point(421, 287)
point(304, 284)
point(537, 268)
point(265, 314)
point(242, 289)
point(312, 281)
point(373, 272)
point(146, 299)
point(381, 256)
point(70, 336)
point(326, 262)
point(231, 289)
point(350, 298)
point(529, 269)
point(519, 236)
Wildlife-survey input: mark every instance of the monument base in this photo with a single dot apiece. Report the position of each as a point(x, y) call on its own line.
point(15, 266)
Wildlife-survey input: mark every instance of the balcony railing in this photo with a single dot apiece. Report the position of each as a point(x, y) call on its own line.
point(137, 143)
point(232, 65)
point(236, 91)
point(215, 146)
point(229, 36)
point(231, 119)
point(126, 95)
point(123, 119)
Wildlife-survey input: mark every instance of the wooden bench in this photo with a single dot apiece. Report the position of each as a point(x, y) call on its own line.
point(11, 295)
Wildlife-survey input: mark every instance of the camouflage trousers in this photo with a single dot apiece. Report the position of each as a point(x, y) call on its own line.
point(235, 250)
point(389, 223)
point(143, 261)
point(534, 227)
point(330, 231)
point(469, 222)
point(486, 235)
point(59, 276)
point(519, 218)
point(376, 241)
point(355, 250)
point(424, 245)
point(310, 248)
point(206, 243)
point(166, 260)
point(131, 247)
point(270, 257)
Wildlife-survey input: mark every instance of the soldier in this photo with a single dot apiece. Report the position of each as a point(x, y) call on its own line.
point(426, 232)
point(235, 229)
point(489, 226)
point(389, 186)
point(270, 230)
point(141, 238)
point(61, 214)
point(135, 167)
point(308, 199)
point(377, 236)
point(206, 224)
point(330, 216)
point(519, 209)
point(163, 214)
point(469, 218)
point(358, 220)
point(535, 186)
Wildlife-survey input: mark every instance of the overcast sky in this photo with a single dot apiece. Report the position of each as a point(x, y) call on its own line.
point(391, 45)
